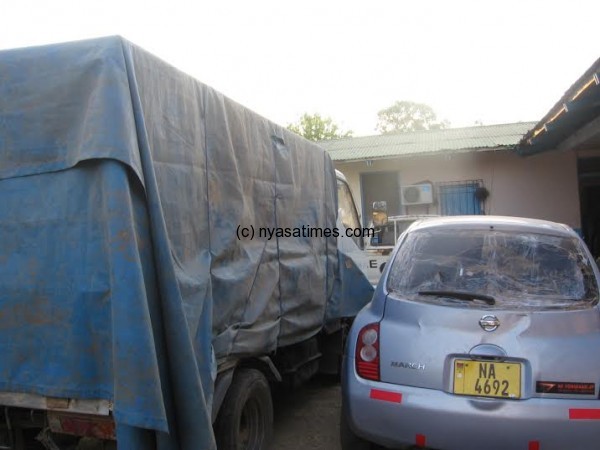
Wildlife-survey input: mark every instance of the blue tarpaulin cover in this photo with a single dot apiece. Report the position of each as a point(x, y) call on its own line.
point(122, 185)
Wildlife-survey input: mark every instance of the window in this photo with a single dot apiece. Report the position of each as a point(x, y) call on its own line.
point(347, 210)
point(458, 198)
point(520, 270)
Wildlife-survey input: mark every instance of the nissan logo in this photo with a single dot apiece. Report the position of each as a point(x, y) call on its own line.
point(489, 323)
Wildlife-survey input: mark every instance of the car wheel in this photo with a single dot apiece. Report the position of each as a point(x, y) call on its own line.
point(245, 419)
point(349, 440)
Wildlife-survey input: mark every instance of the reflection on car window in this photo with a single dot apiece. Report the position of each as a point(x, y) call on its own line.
point(519, 270)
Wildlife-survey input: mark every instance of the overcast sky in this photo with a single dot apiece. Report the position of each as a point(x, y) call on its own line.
point(494, 62)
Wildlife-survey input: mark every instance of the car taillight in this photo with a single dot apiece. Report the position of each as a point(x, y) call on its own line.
point(367, 352)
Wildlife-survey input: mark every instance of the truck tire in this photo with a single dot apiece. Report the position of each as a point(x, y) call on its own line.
point(245, 419)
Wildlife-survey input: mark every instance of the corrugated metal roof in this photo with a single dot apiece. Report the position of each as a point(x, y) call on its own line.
point(470, 139)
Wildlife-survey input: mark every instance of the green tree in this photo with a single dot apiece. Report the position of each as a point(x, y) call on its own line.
point(316, 128)
point(405, 116)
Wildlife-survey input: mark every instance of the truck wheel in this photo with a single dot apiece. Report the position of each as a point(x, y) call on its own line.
point(245, 419)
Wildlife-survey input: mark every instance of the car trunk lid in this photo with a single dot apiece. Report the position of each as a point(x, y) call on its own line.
point(422, 340)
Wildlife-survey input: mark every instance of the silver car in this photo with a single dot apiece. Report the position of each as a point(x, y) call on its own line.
point(483, 333)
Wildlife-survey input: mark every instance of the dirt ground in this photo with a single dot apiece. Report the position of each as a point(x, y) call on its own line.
point(308, 418)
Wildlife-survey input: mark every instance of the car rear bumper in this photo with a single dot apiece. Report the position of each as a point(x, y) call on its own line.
point(394, 415)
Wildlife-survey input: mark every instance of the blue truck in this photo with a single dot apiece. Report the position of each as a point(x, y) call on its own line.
point(150, 295)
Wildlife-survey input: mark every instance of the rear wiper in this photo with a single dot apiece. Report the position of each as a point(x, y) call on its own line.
point(461, 295)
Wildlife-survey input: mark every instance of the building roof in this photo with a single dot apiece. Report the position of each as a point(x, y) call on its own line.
point(451, 140)
point(579, 106)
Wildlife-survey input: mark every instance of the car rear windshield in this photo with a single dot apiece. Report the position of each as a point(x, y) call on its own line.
point(519, 270)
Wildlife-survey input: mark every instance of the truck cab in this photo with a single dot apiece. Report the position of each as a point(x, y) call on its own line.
point(386, 234)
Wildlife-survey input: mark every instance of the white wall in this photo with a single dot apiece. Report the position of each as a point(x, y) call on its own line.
point(542, 186)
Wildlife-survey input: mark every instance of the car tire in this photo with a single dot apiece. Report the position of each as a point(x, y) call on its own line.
point(349, 440)
point(245, 419)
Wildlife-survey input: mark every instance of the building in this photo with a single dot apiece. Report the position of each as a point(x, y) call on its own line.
point(473, 170)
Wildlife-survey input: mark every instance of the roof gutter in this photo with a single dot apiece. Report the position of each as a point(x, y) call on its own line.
point(420, 154)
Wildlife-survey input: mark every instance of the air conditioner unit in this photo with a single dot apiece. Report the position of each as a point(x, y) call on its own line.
point(417, 194)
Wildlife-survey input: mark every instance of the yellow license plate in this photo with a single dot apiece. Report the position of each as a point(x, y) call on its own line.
point(487, 379)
